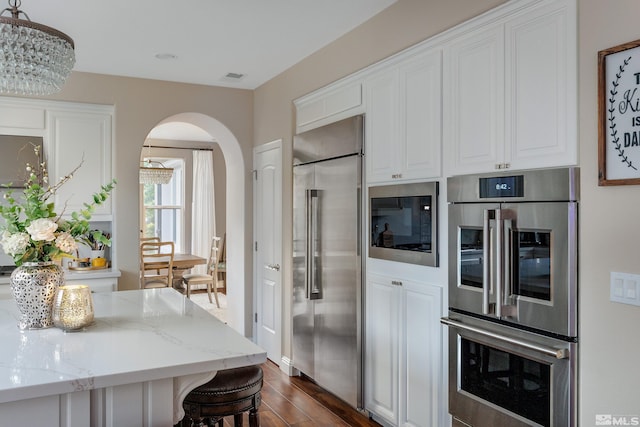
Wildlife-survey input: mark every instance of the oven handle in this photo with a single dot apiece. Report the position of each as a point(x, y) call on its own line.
point(499, 262)
point(562, 353)
point(489, 214)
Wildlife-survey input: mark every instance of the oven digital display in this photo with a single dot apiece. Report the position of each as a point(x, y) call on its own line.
point(503, 186)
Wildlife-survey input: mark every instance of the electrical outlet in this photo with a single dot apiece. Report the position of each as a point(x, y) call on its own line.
point(625, 288)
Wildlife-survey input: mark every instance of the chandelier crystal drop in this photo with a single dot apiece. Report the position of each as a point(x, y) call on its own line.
point(34, 59)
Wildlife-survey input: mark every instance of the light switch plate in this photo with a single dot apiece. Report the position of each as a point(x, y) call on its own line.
point(625, 288)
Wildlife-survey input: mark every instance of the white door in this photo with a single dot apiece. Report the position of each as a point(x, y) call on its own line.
point(268, 247)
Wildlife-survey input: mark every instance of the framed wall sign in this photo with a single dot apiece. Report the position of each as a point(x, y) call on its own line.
point(619, 115)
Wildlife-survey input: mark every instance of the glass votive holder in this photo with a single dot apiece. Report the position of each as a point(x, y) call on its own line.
point(72, 307)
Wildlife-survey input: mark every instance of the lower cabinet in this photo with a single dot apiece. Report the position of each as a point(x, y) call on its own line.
point(107, 283)
point(404, 352)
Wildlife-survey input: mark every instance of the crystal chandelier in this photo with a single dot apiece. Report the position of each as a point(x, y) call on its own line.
point(34, 59)
point(154, 175)
point(150, 174)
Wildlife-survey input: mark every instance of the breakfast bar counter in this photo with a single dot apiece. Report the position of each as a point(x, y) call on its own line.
point(132, 367)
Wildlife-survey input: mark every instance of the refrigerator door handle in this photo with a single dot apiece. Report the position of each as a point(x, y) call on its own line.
point(312, 291)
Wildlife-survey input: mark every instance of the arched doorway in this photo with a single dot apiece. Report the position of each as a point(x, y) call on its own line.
point(238, 289)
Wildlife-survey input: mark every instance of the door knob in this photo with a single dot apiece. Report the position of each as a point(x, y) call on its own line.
point(274, 267)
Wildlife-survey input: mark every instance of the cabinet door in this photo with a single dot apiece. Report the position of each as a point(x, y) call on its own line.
point(381, 350)
point(81, 136)
point(329, 106)
point(108, 284)
point(541, 88)
point(383, 149)
point(421, 116)
point(421, 364)
point(473, 101)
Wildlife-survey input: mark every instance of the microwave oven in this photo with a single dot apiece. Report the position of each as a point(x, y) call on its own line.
point(403, 221)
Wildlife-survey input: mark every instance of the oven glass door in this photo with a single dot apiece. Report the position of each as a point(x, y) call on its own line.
point(532, 250)
point(402, 223)
point(502, 376)
point(510, 381)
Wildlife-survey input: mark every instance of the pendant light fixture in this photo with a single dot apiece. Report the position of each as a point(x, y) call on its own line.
point(152, 174)
point(34, 59)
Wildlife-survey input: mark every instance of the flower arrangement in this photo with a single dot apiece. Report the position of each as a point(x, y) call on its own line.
point(34, 232)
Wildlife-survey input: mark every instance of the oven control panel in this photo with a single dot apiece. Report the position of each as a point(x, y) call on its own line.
point(501, 186)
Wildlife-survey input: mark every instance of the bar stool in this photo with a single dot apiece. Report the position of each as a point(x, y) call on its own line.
point(230, 392)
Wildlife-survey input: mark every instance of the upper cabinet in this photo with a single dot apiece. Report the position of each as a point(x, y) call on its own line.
point(75, 136)
point(80, 135)
point(474, 106)
point(403, 122)
point(510, 92)
point(341, 101)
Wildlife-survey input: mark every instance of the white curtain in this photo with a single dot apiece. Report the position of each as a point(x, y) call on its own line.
point(203, 225)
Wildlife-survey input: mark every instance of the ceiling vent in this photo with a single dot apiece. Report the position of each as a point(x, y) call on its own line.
point(233, 77)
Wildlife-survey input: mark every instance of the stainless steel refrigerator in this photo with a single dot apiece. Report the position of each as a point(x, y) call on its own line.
point(327, 262)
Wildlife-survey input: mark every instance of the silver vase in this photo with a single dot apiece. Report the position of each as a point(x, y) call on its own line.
point(34, 286)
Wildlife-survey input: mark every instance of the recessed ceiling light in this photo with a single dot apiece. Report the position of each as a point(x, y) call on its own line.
point(165, 56)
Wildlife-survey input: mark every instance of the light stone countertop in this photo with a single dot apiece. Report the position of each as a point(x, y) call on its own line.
point(137, 336)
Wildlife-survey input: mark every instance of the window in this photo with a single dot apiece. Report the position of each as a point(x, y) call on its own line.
point(164, 206)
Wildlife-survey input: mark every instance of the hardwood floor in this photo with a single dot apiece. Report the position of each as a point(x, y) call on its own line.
point(298, 402)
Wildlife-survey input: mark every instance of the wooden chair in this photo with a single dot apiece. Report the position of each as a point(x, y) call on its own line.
point(149, 239)
point(222, 264)
point(156, 264)
point(210, 278)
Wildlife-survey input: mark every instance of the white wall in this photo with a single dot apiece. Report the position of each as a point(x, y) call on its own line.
point(609, 234)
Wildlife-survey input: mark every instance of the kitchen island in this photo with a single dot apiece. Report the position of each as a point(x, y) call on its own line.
point(132, 367)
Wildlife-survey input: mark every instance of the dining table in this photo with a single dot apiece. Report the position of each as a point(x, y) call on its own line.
point(182, 262)
point(146, 350)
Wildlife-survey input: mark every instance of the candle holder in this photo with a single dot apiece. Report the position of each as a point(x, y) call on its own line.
point(73, 307)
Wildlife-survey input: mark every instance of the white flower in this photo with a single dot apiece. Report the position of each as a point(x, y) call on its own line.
point(42, 229)
point(66, 242)
point(14, 243)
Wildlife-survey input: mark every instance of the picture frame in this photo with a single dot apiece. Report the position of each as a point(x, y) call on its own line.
point(619, 115)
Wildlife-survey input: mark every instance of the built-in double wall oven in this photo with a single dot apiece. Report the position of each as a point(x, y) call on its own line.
point(513, 298)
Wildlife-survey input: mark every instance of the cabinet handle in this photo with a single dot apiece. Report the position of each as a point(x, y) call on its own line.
point(396, 176)
point(396, 283)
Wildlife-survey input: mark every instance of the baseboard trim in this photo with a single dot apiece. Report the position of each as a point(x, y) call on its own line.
point(286, 366)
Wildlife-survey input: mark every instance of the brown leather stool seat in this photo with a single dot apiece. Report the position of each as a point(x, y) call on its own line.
point(230, 392)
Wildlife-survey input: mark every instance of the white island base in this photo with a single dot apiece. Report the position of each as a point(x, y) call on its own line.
point(133, 367)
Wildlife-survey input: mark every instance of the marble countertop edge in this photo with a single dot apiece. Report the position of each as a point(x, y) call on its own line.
point(138, 336)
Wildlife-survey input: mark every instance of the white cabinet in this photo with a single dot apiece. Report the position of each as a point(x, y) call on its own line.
point(403, 123)
point(510, 92)
point(404, 353)
point(473, 101)
point(541, 84)
point(104, 284)
point(382, 348)
point(80, 135)
point(21, 117)
point(329, 105)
